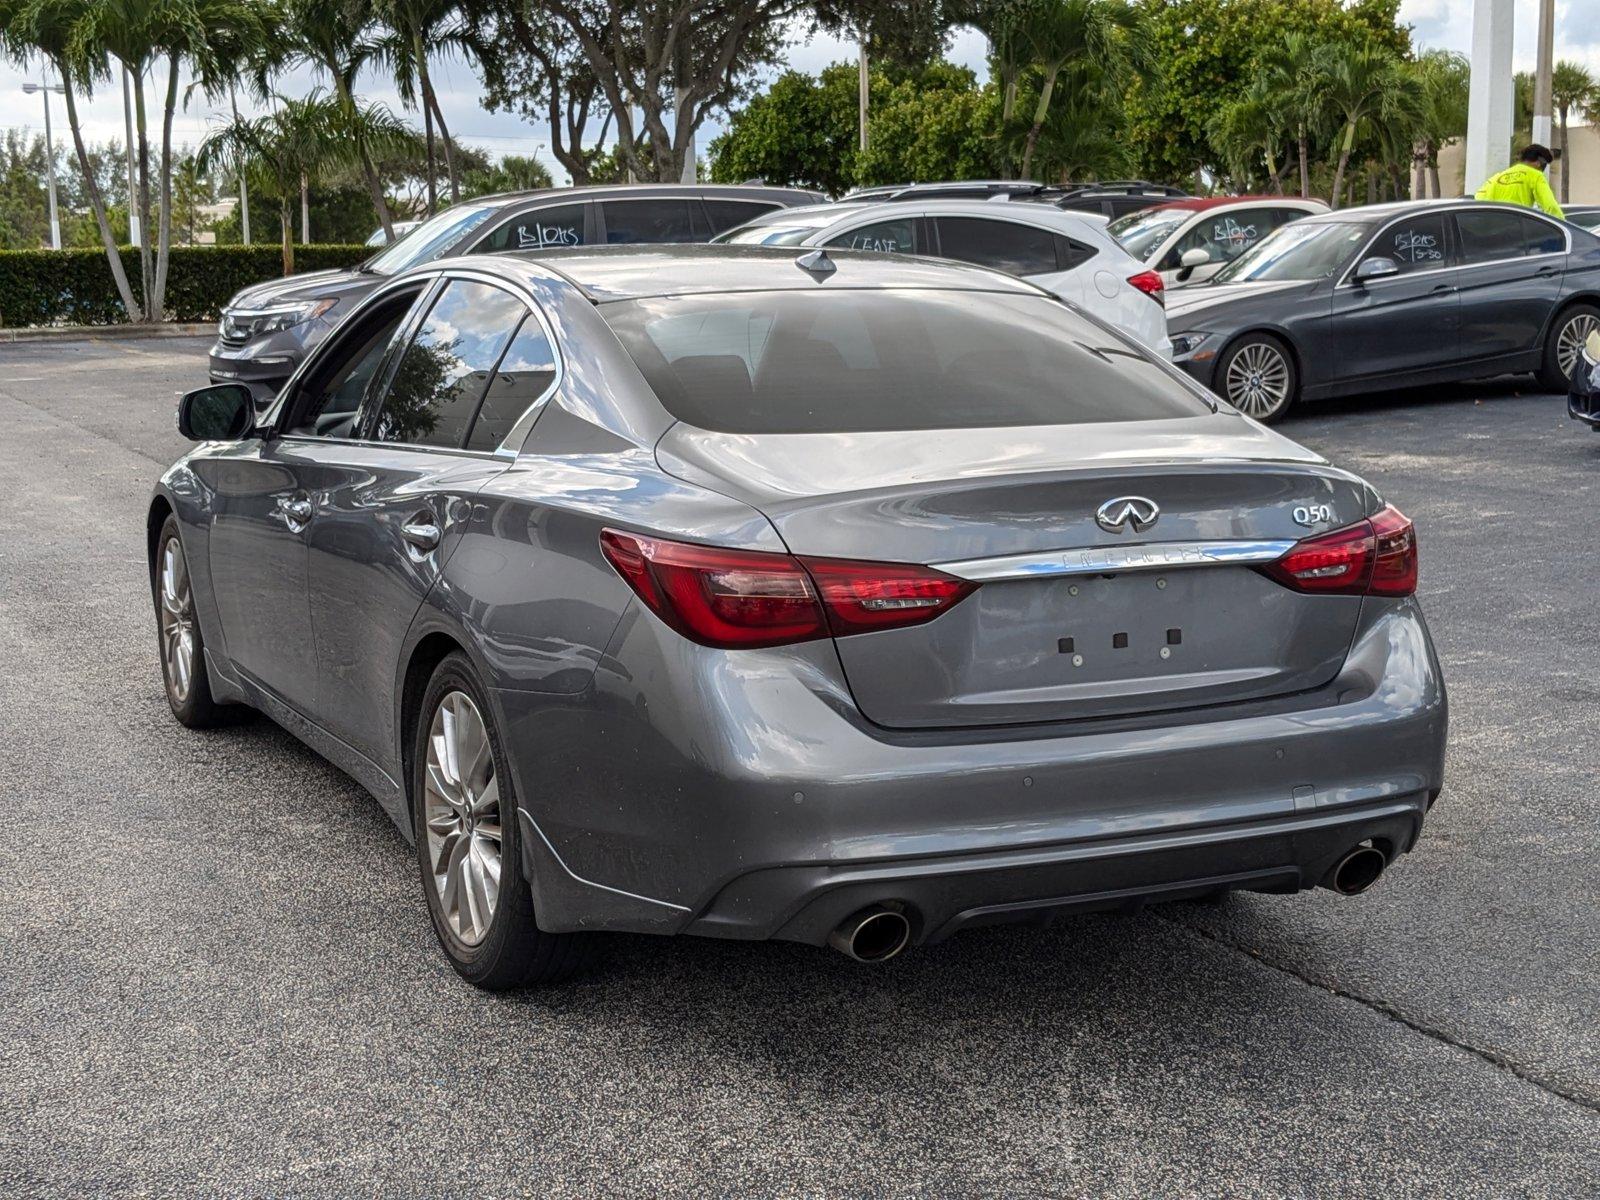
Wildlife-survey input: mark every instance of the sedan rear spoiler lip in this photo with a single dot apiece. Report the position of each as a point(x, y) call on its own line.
point(1098, 560)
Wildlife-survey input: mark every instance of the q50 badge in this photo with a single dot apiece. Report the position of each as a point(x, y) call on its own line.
point(1313, 514)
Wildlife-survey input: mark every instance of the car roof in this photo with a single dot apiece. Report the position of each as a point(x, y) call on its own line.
point(1202, 203)
point(644, 191)
point(1373, 214)
point(605, 273)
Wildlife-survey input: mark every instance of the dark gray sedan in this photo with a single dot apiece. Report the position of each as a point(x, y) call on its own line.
point(1391, 296)
point(856, 601)
point(267, 330)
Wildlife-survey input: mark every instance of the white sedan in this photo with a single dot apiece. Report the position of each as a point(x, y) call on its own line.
point(1189, 241)
point(1068, 254)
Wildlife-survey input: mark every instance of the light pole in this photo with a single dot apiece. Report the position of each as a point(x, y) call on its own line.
point(49, 154)
point(133, 199)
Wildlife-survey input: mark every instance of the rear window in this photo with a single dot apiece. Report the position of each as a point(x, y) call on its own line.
point(863, 361)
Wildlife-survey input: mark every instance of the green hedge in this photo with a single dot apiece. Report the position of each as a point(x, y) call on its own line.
point(74, 287)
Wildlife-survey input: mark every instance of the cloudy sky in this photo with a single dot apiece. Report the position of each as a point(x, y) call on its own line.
point(1445, 23)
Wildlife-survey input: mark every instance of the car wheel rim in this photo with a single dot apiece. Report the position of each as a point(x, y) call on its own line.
point(1258, 380)
point(177, 621)
point(461, 805)
point(1570, 343)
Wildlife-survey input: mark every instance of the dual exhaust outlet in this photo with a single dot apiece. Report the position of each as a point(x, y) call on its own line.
point(878, 933)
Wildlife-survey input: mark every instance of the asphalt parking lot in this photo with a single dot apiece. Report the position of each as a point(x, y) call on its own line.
point(220, 978)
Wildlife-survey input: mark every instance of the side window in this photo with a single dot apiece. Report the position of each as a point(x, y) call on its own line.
point(886, 237)
point(1415, 244)
point(730, 214)
point(1001, 245)
point(1071, 254)
point(1491, 236)
point(648, 221)
point(330, 398)
point(539, 229)
point(1543, 237)
point(442, 375)
point(1225, 236)
point(525, 373)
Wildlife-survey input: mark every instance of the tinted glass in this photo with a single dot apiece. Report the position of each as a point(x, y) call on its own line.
point(850, 361)
point(330, 398)
point(1000, 245)
point(1071, 254)
point(1415, 244)
point(725, 214)
point(1488, 236)
point(1589, 220)
point(540, 229)
point(886, 237)
point(442, 374)
point(648, 221)
point(1543, 237)
point(434, 238)
point(524, 374)
point(1301, 251)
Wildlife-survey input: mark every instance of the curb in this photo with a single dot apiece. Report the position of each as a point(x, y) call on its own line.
point(105, 333)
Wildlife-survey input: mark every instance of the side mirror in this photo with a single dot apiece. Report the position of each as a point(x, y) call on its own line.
point(223, 412)
point(1376, 268)
point(1197, 257)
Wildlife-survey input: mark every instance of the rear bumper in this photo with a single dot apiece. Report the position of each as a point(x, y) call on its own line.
point(945, 895)
point(743, 795)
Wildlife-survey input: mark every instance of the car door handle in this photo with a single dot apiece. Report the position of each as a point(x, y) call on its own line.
point(1443, 289)
point(423, 534)
point(296, 512)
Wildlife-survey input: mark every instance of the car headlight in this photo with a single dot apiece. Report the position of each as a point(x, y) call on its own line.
point(1185, 344)
point(241, 323)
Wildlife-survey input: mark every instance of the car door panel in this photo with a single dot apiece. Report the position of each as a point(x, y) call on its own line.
point(1404, 323)
point(257, 558)
point(1509, 282)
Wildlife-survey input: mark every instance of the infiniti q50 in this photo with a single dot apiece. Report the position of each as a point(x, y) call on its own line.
point(850, 600)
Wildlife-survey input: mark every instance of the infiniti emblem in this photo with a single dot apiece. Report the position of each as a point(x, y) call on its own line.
point(1127, 512)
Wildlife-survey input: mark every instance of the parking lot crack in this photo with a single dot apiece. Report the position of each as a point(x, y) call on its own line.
point(1392, 1012)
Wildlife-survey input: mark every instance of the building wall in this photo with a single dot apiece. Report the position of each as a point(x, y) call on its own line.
point(1583, 143)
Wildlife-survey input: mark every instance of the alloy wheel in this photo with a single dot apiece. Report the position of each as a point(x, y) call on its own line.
point(461, 798)
point(1257, 382)
point(1569, 343)
point(177, 621)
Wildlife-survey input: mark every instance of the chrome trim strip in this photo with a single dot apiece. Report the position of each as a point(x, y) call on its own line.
point(1100, 560)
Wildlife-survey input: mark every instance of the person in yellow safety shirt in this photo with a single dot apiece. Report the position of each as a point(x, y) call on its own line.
point(1524, 183)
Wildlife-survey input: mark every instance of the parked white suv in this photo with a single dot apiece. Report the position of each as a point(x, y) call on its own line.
point(1067, 253)
point(1189, 241)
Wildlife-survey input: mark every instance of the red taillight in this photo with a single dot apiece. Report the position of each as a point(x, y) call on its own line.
point(1370, 558)
point(1152, 285)
point(745, 599)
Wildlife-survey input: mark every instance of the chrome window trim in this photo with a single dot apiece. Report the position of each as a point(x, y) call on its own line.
point(1099, 560)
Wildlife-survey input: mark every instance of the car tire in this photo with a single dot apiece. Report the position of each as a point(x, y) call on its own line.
point(1257, 376)
point(468, 843)
point(178, 637)
point(1564, 341)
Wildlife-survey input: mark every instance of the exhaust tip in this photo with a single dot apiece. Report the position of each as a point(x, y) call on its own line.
point(874, 934)
point(1357, 871)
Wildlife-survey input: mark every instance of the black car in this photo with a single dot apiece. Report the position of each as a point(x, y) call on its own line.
point(268, 329)
point(1112, 199)
point(1391, 295)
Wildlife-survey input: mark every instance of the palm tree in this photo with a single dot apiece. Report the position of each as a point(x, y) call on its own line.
point(45, 28)
point(1250, 131)
point(1444, 78)
point(1362, 85)
point(1288, 72)
point(336, 38)
point(1571, 87)
point(296, 145)
point(418, 29)
point(1086, 40)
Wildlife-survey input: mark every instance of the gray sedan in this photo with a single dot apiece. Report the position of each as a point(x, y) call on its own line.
point(852, 601)
point(1393, 295)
